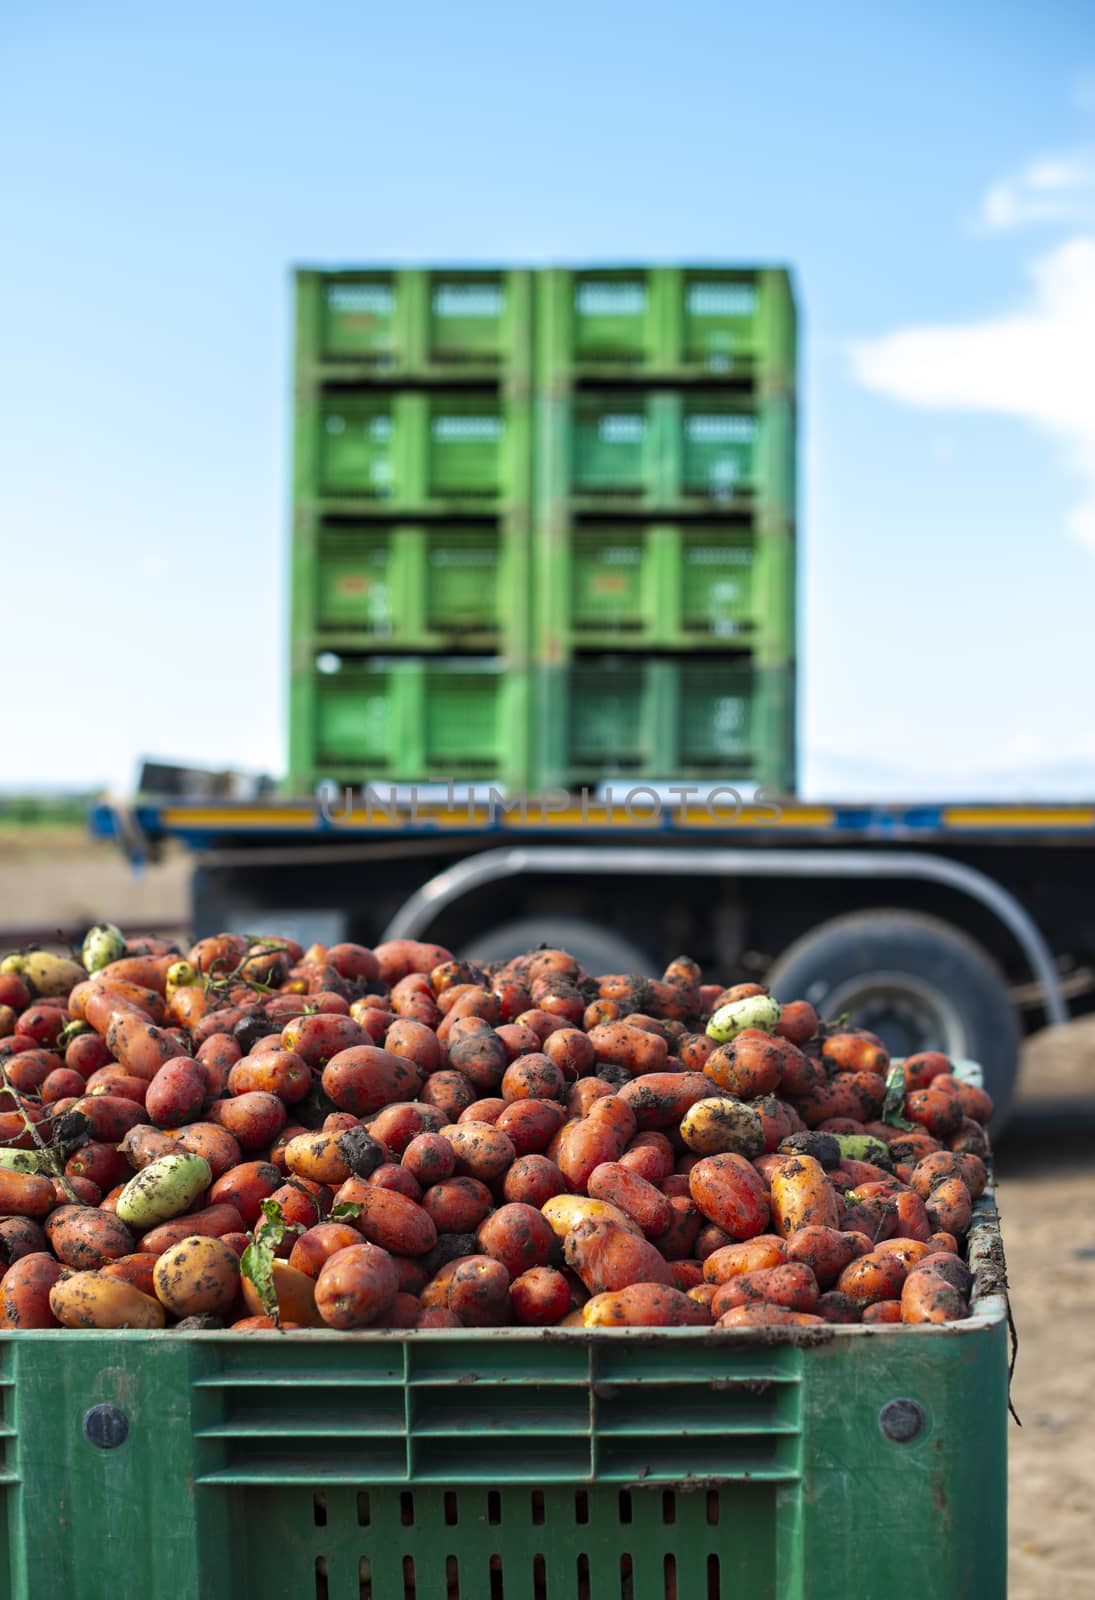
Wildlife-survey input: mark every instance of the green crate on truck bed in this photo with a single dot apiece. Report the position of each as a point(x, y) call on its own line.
point(392, 323)
point(660, 450)
point(641, 585)
point(528, 405)
point(636, 1464)
point(416, 586)
point(735, 323)
point(429, 450)
point(717, 718)
point(411, 720)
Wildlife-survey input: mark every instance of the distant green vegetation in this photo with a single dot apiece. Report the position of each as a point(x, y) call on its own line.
point(44, 810)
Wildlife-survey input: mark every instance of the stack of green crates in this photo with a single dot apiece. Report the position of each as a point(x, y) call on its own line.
point(544, 526)
point(664, 547)
point(412, 526)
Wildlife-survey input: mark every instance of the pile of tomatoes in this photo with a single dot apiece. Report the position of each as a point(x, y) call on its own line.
point(252, 1135)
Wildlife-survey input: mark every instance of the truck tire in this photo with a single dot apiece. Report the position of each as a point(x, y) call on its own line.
point(918, 982)
point(598, 949)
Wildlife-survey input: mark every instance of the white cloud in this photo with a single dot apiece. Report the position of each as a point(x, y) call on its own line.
point(1034, 363)
point(1057, 188)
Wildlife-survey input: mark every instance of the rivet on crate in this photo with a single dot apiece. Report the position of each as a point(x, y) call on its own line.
point(901, 1420)
point(106, 1427)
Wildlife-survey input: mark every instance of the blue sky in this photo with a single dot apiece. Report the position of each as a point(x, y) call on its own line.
point(928, 172)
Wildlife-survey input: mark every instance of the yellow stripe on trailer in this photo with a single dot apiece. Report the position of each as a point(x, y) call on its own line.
point(1019, 816)
point(357, 817)
point(594, 814)
point(360, 818)
point(760, 817)
point(259, 817)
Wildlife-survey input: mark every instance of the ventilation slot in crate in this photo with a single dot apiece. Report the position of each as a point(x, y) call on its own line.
point(321, 1424)
point(8, 1434)
point(562, 1542)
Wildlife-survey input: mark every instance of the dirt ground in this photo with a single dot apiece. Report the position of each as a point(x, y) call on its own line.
point(1046, 1187)
point(1046, 1190)
point(53, 878)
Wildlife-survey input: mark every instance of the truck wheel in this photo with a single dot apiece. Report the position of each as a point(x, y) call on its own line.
point(917, 982)
point(598, 949)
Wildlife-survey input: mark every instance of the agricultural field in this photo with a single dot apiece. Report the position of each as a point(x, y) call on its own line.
point(53, 876)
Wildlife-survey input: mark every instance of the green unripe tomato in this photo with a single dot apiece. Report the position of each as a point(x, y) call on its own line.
point(102, 944)
point(163, 1189)
point(757, 1011)
point(864, 1147)
point(25, 1161)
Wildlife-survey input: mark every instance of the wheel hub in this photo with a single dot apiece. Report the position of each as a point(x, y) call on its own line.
point(908, 1015)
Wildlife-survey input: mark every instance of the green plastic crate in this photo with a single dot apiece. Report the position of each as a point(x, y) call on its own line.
point(655, 392)
point(736, 323)
point(614, 445)
point(640, 585)
point(415, 450)
point(646, 717)
point(664, 449)
point(670, 1464)
point(392, 719)
point(418, 586)
point(415, 322)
